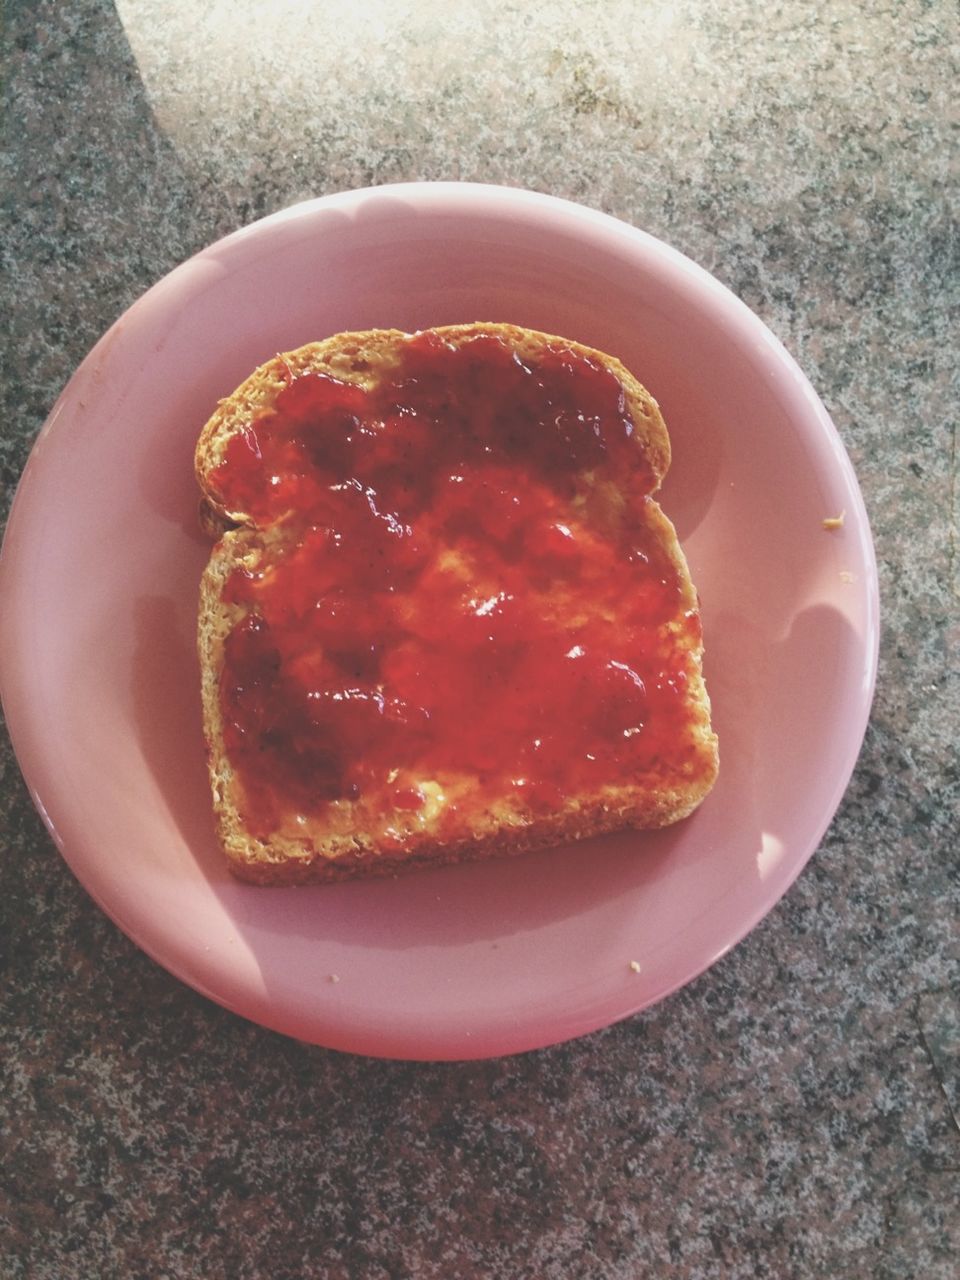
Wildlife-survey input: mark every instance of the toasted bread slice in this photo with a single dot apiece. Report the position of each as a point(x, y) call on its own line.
point(444, 619)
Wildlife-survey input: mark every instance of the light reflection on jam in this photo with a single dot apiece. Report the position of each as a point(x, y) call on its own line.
point(441, 604)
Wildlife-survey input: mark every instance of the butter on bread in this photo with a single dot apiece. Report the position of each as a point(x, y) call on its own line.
point(374, 812)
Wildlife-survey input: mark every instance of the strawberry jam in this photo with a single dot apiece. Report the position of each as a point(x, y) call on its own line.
point(452, 588)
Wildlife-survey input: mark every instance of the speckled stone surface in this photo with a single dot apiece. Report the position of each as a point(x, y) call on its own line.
point(792, 1113)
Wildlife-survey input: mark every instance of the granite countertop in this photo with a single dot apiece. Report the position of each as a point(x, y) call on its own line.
point(794, 1111)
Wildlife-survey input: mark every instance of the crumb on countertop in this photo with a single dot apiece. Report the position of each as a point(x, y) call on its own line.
point(847, 576)
point(334, 977)
point(831, 523)
point(634, 965)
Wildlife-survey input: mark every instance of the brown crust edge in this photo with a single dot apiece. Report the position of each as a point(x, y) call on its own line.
point(542, 834)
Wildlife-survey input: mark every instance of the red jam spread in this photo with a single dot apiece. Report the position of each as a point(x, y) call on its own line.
point(448, 590)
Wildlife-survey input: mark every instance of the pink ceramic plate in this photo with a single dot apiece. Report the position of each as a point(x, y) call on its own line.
point(99, 586)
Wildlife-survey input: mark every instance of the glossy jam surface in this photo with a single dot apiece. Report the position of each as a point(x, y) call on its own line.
point(453, 587)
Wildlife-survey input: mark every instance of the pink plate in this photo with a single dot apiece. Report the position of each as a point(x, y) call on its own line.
point(98, 597)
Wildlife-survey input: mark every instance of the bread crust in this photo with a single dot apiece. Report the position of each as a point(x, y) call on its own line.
point(347, 843)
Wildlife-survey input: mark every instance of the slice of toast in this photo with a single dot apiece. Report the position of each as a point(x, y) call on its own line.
point(444, 618)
